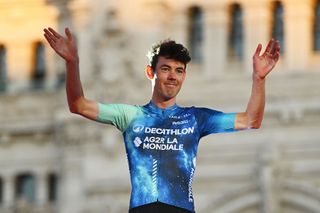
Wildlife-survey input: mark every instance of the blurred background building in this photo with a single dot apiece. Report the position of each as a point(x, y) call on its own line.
point(53, 161)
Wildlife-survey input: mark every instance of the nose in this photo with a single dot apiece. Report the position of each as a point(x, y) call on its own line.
point(172, 75)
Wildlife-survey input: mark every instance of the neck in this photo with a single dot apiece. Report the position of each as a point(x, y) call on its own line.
point(163, 103)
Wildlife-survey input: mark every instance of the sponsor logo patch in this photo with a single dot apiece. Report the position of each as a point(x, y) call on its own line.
point(138, 128)
point(137, 142)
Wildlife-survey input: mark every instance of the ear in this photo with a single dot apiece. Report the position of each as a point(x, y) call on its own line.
point(149, 72)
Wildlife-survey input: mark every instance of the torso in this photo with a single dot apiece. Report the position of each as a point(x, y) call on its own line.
point(162, 147)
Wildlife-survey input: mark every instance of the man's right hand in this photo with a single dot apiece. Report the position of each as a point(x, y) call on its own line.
point(66, 47)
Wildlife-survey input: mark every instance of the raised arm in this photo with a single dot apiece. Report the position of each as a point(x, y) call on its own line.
point(66, 47)
point(262, 66)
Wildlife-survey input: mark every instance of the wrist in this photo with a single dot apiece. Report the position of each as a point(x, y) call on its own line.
point(257, 77)
point(73, 60)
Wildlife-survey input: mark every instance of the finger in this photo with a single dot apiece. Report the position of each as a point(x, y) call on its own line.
point(276, 57)
point(50, 41)
point(276, 47)
point(46, 31)
point(57, 35)
point(273, 49)
point(46, 37)
point(49, 36)
point(270, 46)
point(68, 33)
point(258, 50)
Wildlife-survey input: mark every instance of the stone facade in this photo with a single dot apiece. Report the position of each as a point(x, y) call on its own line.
point(80, 166)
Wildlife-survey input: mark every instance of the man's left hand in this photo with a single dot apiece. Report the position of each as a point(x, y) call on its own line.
point(263, 64)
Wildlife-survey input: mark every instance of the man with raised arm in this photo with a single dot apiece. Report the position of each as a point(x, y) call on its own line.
point(161, 138)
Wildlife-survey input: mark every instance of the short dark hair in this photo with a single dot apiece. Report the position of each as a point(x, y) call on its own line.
point(168, 49)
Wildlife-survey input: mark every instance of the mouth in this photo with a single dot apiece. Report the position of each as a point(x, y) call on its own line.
point(170, 85)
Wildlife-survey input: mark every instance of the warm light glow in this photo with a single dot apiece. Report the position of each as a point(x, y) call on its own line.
point(21, 24)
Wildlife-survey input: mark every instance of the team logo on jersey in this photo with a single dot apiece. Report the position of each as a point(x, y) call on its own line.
point(138, 128)
point(137, 142)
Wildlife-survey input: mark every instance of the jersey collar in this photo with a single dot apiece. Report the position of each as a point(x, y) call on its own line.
point(167, 111)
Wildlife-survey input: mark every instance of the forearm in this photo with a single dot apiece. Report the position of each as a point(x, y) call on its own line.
point(256, 104)
point(262, 66)
point(73, 85)
point(67, 49)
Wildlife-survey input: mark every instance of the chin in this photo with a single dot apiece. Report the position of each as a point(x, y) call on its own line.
point(170, 97)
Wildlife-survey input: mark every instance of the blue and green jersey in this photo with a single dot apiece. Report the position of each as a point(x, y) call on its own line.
point(161, 146)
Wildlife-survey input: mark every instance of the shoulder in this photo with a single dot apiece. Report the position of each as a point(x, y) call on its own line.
point(113, 111)
point(119, 115)
point(202, 110)
point(119, 107)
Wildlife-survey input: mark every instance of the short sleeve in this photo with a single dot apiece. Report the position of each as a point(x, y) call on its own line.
point(118, 115)
point(212, 121)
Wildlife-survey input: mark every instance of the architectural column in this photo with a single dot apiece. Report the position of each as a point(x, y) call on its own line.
point(71, 190)
point(51, 71)
point(81, 13)
point(63, 19)
point(257, 29)
point(215, 39)
point(297, 34)
point(72, 186)
point(8, 190)
point(19, 72)
point(268, 168)
point(42, 188)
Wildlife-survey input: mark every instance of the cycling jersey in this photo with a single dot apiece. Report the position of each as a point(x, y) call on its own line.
point(158, 207)
point(161, 146)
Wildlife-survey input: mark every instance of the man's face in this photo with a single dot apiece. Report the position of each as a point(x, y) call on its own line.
point(169, 76)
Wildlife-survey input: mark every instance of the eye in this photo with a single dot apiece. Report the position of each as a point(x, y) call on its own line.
point(165, 69)
point(180, 71)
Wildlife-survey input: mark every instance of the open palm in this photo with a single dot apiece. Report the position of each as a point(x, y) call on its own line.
point(66, 47)
point(263, 64)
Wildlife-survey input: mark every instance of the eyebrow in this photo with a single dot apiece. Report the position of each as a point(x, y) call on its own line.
point(166, 65)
